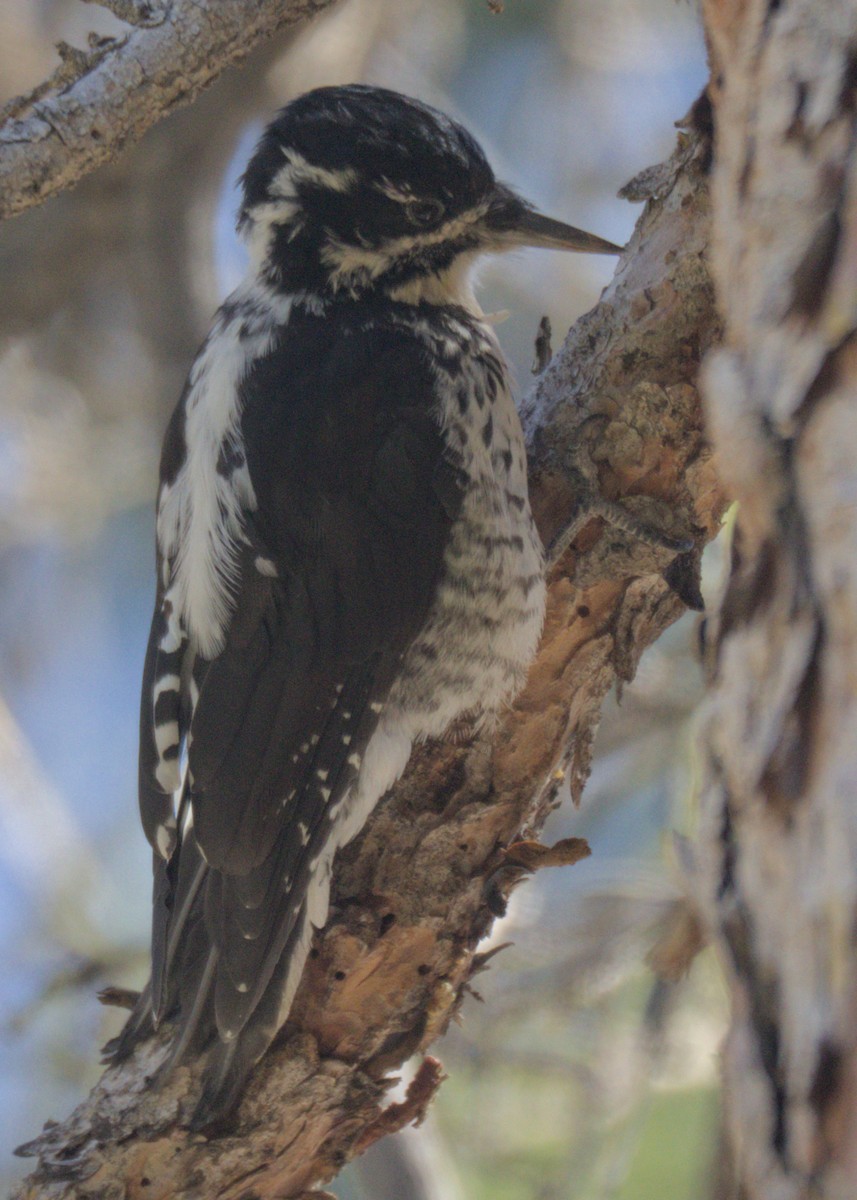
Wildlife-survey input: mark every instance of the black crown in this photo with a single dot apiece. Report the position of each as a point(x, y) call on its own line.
point(353, 189)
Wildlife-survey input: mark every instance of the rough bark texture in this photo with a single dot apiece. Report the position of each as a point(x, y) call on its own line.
point(101, 98)
point(778, 868)
point(615, 415)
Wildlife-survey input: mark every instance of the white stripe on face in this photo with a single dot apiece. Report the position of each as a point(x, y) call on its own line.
point(350, 264)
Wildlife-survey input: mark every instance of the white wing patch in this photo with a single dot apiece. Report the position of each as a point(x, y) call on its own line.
point(200, 514)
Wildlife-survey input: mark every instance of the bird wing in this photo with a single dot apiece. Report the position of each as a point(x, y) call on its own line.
point(356, 493)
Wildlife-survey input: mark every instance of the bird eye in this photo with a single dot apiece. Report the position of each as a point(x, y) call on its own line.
point(424, 212)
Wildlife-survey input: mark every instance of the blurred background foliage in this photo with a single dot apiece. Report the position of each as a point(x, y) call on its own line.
point(581, 1075)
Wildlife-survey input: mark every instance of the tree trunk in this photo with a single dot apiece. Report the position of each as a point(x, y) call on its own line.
point(778, 865)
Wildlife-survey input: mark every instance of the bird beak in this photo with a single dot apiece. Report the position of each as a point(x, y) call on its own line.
point(512, 222)
point(533, 229)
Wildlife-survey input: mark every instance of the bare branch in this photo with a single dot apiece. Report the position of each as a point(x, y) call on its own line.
point(615, 414)
point(101, 98)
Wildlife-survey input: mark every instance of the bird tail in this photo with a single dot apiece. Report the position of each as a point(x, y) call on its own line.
point(230, 1063)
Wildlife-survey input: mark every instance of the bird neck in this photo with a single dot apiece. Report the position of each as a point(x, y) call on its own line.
point(453, 286)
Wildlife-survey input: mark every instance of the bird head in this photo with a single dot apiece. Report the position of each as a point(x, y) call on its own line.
point(357, 189)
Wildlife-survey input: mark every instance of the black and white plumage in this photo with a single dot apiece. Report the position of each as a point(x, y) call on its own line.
point(346, 556)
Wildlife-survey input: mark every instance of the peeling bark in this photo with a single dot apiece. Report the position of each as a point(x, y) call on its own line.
point(777, 876)
point(100, 99)
point(616, 416)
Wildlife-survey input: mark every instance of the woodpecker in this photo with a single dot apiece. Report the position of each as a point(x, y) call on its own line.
point(347, 561)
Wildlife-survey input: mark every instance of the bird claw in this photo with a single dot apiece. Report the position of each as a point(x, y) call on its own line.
point(617, 517)
point(523, 858)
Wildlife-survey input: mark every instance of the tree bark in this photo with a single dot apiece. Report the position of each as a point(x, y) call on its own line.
point(616, 415)
point(101, 98)
point(777, 873)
